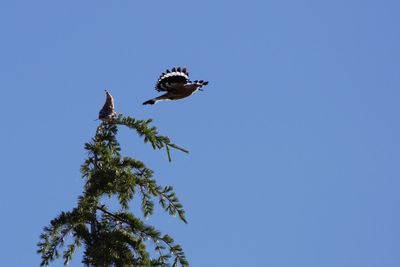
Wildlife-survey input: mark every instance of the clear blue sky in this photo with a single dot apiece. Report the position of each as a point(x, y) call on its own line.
point(294, 144)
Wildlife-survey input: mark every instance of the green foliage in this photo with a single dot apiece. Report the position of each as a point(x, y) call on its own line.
point(116, 238)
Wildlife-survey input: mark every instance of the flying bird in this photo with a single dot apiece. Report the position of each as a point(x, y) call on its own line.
point(107, 113)
point(176, 84)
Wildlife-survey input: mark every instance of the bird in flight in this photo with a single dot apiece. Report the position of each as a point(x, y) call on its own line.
point(107, 113)
point(176, 84)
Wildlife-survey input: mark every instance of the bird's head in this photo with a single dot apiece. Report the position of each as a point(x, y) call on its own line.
point(108, 93)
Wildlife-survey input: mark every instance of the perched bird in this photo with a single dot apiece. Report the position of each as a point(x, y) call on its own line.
point(177, 85)
point(107, 113)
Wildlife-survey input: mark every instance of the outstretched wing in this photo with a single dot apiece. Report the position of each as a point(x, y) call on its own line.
point(172, 79)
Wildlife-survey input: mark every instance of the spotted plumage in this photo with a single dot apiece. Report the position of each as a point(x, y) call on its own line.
point(176, 84)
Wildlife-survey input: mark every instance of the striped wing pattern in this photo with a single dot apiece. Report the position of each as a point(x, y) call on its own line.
point(176, 85)
point(172, 79)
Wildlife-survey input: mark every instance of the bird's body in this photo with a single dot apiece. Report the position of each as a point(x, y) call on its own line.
point(107, 113)
point(176, 84)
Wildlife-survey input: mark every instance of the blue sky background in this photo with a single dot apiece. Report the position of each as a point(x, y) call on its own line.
point(294, 144)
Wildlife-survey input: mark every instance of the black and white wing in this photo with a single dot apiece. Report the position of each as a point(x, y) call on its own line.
point(172, 79)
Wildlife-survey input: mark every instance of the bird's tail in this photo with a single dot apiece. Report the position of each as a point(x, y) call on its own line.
point(200, 84)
